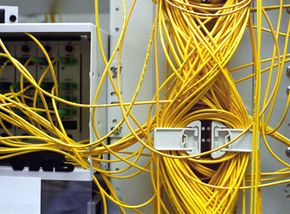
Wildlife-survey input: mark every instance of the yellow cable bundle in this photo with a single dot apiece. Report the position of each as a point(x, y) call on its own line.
point(200, 46)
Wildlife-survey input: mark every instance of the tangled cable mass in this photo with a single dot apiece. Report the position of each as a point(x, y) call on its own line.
point(198, 40)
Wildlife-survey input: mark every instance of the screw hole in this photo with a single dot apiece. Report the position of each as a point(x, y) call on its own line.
point(12, 18)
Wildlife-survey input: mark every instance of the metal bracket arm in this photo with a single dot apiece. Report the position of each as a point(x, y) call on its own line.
point(222, 135)
point(179, 139)
point(189, 139)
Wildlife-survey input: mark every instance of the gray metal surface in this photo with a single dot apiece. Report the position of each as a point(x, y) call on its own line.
point(138, 189)
point(274, 199)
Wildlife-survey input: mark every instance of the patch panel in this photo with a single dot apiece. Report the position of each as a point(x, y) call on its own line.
point(70, 84)
point(42, 64)
point(66, 57)
point(71, 62)
point(24, 51)
point(76, 62)
point(7, 79)
point(77, 72)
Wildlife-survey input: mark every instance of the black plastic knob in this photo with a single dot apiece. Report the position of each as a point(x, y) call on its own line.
point(25, 48)
point(47, 48)
point(69, 48)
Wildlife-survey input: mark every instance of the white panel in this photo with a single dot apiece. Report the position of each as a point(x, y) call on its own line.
point(275, 199)
point(137, 189)
point(32, 7)
point(20, 195)
point(48, 27)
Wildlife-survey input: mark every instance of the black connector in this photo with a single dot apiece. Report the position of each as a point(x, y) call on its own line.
point(25, 84)
point(5, 86)
point(47, 48)
point(2, 16)
point(69, 48)
point(47, 86)
point(7, 125)
point(43, 61)
point(70, 125)
point(5, 60)
point(24, 60)
point(25, 48)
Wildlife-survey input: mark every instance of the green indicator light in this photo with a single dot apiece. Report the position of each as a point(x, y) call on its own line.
point(62, 112)
point(68, 85)
point(42, 61)
point(68, 61)
point(67, 112)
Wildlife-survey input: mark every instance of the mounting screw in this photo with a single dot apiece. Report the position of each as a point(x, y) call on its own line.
point(114, 70)
point(288, 152)
point(25, 48)
point(288, 89)
point(118, 131)
point(288, 71)
point(69, 48)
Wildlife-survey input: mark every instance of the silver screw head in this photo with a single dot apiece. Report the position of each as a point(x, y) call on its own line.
point(288, 152)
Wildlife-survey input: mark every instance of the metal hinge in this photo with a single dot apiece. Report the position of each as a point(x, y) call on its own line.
point(189, 139)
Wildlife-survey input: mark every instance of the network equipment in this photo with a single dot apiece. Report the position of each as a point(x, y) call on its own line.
point(73, 51)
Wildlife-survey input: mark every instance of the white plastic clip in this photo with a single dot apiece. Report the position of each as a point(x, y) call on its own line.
point(221, 135)
point(179, 139)
point(189, 139)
